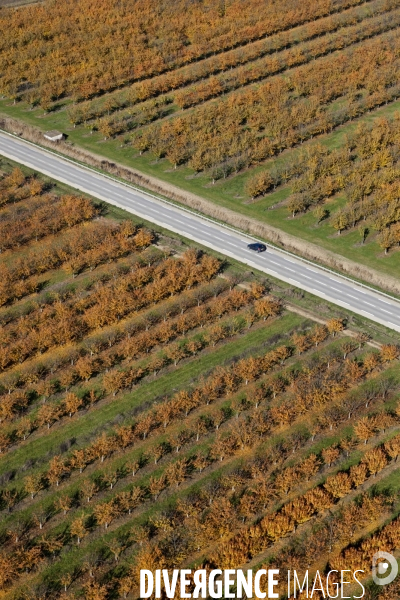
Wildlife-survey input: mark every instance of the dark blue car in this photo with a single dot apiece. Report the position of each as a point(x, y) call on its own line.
point(257, 247)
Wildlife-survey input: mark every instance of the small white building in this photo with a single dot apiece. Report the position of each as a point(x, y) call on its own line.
point(54, 135)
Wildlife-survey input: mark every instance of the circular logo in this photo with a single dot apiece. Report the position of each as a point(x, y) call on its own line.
point(388, 565)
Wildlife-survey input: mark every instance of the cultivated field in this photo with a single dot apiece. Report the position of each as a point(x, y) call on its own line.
point(159, 411)
point(300, 83)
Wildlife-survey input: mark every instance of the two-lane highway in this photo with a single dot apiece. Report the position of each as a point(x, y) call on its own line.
point(331, 287)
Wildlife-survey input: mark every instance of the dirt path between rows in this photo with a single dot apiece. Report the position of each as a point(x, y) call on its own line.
point(310, 315)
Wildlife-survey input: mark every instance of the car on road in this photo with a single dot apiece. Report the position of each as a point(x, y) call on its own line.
point(257, 247)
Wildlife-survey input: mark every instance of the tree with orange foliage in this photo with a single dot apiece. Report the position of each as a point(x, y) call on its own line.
point(104, 513)
point(156, 486)
point(389, 352)
point(375, 460)
point(330, 454)
point(358, 474)
point(72, 403)
point(338, 485)
point(335, 326)
point(78, 529)
point(392, 447)
point(78, 460)
point(95, 591)
point(33, 484)
point(267, 307)
point(113, 381)
point(364, 429)
point(56, 470)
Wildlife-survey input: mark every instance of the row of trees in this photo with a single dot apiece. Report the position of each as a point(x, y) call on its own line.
point(221, 520)
point(60, 323)
point(258, 122)
point(329, 533)
point(356, 556)
point(108, 511)
point(15, 187)
point(153, 46)
point(288, 59)
point(271, 528)
point(183, 403)
point(276, 415)
point(84, 246)
point(41, 216)
point(220, 383)
point(139, 269)
point(180, 77)
point(231, 501)
point(175, 473)
point(113, 380)
point(316, 164)
point(338, 527)
point(43, 369)
point(366, 171)
point(121, 121)
point(195, 514)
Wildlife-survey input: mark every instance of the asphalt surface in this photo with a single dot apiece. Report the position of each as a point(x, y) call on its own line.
point(331, 287)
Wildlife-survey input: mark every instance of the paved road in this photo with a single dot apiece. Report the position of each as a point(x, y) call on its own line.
point(330, 287)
